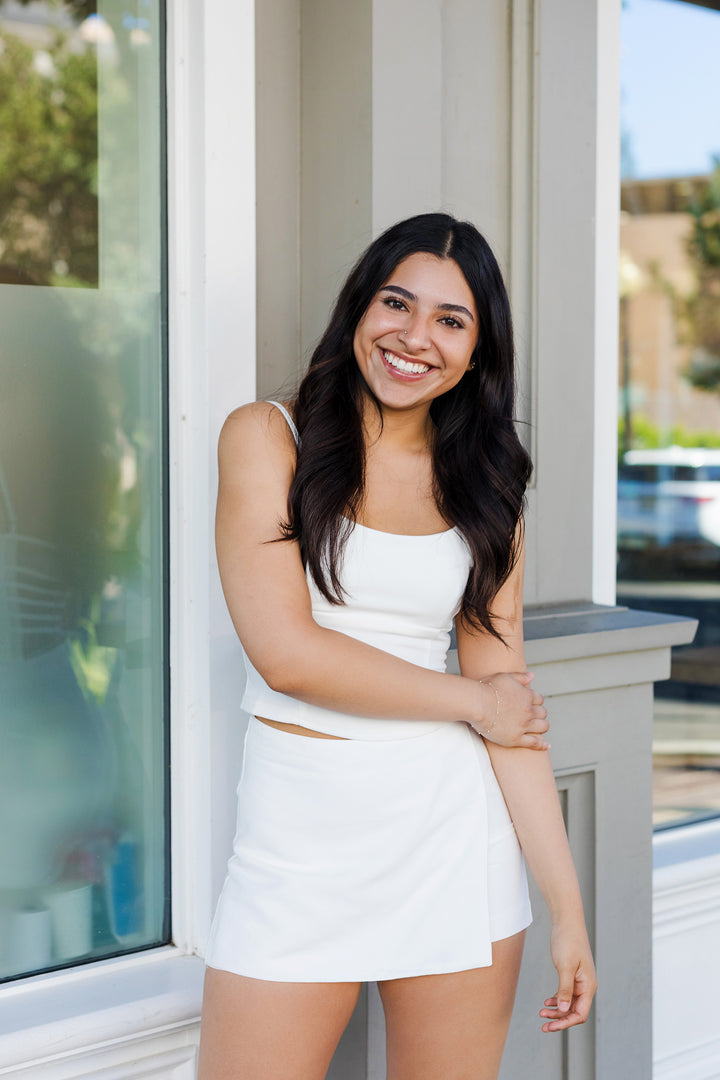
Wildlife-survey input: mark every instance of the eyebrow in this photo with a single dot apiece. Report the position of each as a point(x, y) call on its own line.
point(439, 307)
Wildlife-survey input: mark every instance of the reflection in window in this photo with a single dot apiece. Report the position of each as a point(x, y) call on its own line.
point(48, 145)
point(83, 866)
point(669, 437)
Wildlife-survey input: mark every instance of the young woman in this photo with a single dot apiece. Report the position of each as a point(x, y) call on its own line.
point(382, 800)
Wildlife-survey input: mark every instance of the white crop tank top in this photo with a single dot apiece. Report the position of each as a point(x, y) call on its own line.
point(402, 595)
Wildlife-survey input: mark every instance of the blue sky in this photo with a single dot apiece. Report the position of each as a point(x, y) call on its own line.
point(670, 77)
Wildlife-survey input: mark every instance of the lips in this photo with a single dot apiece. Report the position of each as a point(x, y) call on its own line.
point(408, 368)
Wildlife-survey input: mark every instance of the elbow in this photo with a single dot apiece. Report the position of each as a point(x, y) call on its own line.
point(287, 659)
point(282, 680)
point(285, 672)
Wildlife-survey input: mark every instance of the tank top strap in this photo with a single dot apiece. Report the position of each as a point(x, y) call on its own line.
point(290, 421)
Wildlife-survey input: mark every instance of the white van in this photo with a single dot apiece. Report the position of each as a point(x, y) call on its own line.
point(669, 504)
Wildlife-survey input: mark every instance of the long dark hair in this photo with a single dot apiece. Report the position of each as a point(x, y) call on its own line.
point(480, 468)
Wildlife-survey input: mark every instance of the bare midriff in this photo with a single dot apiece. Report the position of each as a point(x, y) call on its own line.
point(295, 729)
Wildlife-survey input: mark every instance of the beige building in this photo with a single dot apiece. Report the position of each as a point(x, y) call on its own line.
point(657, 276)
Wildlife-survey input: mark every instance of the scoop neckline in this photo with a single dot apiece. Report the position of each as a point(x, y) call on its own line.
point(403, 536)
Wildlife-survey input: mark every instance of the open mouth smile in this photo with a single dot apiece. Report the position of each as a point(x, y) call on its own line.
point(407, 368)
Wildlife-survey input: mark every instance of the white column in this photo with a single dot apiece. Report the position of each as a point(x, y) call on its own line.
point(212, 369)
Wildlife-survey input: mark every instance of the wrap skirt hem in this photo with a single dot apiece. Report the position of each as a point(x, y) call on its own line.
point(363, 861)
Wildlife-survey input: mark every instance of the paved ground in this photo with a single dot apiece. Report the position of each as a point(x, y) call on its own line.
point(686, 744)
point(686, 760)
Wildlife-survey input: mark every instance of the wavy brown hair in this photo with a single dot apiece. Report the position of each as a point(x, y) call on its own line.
point(480, 468)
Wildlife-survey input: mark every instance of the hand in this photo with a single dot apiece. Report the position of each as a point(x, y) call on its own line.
point(573, 962)
point(512, 713)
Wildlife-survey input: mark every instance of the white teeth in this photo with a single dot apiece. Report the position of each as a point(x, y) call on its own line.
point(404, 365)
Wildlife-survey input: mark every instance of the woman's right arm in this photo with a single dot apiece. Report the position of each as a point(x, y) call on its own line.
point(269, 603)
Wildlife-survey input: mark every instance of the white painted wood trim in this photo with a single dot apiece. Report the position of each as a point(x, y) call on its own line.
point(177, 1060)
point(68, 1014)
point(686, 896)
point(607, 244)
point(686, 946)
point(189, 489)
point(698, 1063)
point(211, 131)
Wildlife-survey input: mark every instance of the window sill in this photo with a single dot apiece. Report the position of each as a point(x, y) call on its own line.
point(50, 1016)
point(683, 844)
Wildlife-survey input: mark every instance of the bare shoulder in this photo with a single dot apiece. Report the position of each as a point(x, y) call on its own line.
point(257, 430)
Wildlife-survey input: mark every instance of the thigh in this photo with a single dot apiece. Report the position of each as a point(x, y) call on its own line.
point(453, 1025)
point(258, 1030)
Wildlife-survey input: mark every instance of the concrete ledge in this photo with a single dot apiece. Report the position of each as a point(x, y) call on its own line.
point(585, 646)
point(585, 629)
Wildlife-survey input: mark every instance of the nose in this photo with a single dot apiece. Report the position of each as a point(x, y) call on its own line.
point(416, 334)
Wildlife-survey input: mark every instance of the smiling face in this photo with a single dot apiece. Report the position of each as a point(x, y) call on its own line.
point(417, 337)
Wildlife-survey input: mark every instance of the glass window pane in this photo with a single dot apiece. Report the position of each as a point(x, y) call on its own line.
point(83, 758)
point(669, 439)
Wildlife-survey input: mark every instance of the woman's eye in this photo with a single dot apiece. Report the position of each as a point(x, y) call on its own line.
point(394, 303)
point(450, 321)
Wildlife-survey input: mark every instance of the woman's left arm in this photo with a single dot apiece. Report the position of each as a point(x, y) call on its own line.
point(528, 785)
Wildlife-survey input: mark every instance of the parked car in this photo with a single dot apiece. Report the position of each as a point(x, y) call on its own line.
point(669, 508)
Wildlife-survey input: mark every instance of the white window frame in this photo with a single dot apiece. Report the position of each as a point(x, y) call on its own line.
point(48, 1020)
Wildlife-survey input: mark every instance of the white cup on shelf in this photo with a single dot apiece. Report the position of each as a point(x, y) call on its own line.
point(29, 940)
point(70, 907)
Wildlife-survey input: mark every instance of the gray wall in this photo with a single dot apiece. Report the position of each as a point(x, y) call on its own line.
point(511, 121)
point(505, 128)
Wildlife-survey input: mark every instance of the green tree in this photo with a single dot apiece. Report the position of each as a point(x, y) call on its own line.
point(703, 308)
point(80, 9)
point(649, 436)
point(48, 162)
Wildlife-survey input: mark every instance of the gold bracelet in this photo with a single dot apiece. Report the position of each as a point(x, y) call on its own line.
point(489, 682)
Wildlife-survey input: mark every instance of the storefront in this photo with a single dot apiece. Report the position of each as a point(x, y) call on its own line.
point(212, 169)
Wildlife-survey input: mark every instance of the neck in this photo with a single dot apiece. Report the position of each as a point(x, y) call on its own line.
point(409, 429)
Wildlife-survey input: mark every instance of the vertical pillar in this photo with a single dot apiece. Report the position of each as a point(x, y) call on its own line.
point(337, 154)
point(277, 148)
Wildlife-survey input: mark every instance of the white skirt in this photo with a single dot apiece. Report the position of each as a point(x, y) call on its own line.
point(363, 861)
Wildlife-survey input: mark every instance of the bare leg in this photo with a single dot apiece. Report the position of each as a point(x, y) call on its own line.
point(452, 1026)
point(257, 1030)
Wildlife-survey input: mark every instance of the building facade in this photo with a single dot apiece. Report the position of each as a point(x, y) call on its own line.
point(270, 142)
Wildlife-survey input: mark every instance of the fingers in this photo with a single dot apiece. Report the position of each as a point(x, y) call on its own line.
point(533, 742)
point(521, 710)
point(562, 1002)
point(577, 1012)
point(566, 990)
point(536, 699)
point(571, 1004)
point(525, 677)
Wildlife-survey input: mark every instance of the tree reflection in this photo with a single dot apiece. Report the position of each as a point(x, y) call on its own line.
point(48, 156)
